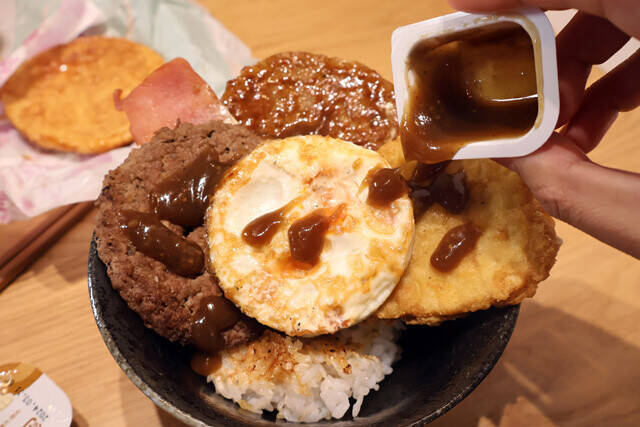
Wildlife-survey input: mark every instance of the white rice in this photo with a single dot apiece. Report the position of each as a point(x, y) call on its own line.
point(307, 380)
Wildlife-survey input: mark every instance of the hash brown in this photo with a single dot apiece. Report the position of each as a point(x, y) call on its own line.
point(516, 251)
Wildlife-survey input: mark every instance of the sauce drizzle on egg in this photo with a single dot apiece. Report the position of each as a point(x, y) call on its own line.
point(307, 236)
point(261, 230)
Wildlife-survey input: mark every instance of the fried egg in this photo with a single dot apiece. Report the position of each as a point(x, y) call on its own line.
point(366, 248)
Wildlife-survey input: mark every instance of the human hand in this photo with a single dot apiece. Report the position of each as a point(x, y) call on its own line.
point(601, 201)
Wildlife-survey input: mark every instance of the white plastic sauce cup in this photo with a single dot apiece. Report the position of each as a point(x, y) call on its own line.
point(535, 22)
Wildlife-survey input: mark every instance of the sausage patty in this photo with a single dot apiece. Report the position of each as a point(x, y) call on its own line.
point(299, 93)
point(164, 300)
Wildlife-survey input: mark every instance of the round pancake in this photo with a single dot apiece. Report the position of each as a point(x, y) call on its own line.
point(515, 252)
point(366, 248)
point(300, 93)
point(62, 99)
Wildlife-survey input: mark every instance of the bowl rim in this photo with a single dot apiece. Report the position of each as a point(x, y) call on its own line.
point(117, 355)
point(95, 262)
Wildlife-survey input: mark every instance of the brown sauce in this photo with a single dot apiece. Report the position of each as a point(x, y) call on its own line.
point(385, 186)
point(421, 199)
point(454, 246)
point(214, 316)
point(424, 173)
point(448, 190)
point(184, 197)
point(154, 239)
point(261, 230)
point(306, 238)
point(204, 364)
point(471, 86)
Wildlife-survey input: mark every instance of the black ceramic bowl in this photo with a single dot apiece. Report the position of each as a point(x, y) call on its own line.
point(439, 365)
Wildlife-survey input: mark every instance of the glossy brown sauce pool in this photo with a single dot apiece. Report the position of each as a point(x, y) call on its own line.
point(471, 86)
point(306, 238)
point(154, 239)
point(448, 190)
point(184, 197)
point(214, 316)
point(454, 246)
point(385, 186)
point(261, 230)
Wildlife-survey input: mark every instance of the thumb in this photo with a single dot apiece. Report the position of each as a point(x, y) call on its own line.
point(601, 201)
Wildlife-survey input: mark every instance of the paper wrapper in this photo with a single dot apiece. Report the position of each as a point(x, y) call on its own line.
point(33, 181)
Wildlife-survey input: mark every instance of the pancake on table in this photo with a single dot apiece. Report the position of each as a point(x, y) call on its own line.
point(290, 215)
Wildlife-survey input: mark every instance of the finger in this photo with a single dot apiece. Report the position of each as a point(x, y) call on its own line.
point(540, 171)
point(590, 39)
point(585, 41)
point(623, 13)
point(600, 201)
point(617, 91)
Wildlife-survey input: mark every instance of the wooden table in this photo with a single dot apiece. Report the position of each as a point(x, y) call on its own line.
point(574, 358)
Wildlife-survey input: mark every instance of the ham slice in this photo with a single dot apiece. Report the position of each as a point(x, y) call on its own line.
point(171, 93)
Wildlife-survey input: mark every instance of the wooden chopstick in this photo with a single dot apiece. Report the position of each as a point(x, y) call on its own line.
point(32, 245)
point(27, 238)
